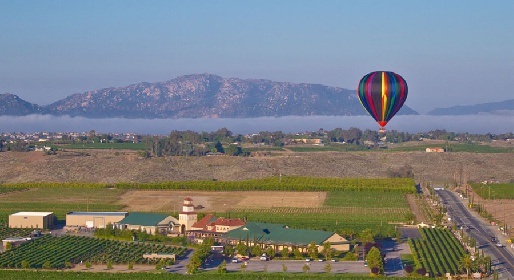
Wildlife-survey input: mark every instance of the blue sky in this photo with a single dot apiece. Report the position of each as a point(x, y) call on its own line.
point(450, 52)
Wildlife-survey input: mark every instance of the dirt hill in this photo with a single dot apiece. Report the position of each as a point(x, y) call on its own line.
point(108, 166)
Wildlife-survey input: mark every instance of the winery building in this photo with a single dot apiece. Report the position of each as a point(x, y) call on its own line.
point(43, 220)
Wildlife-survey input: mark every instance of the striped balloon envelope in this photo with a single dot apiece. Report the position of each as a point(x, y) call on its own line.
point(382, 94)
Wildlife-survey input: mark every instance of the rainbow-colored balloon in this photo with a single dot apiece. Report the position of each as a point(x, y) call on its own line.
point(382, 93)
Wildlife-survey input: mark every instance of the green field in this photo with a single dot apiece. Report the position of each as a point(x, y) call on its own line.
point(454, 147)
point(497, 191)
point(60, 200)
point(366, 199)
point(328, 148)
point(113, 146)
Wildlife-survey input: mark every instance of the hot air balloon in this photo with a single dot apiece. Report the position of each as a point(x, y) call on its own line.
point(382, 94)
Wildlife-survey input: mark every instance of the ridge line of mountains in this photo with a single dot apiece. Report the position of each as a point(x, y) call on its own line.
point(203, 96)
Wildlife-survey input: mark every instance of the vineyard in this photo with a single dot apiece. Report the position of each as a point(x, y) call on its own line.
point(53, 252)
point(6, 232)
point(362, 199)
point(438, 251)
point(356, 219)
point(282, 183)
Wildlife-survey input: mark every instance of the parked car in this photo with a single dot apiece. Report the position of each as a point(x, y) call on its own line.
point(235, 260)
point(307, 259)
point(264, 257)
point(245, 258)
point(321, 260)
point(499, 244)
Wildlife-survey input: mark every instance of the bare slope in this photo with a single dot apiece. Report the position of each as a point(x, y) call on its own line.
point(125, 166)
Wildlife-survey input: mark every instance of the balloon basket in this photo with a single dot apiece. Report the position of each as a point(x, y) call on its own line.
point(382, 130)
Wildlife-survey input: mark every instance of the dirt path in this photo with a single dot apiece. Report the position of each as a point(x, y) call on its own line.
point(411, 199)
point(171, 201)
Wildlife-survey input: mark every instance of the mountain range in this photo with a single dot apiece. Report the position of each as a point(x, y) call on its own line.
point(200, 96)
point(490, 108)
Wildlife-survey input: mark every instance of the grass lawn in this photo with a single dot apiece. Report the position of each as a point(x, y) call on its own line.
point(498, 191)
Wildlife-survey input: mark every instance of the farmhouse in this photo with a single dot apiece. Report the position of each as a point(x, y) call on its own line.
point(211, 226)
point(151, 223)
point(43, 220)
point(93, 219)
point(434, 150)
point(280, 236)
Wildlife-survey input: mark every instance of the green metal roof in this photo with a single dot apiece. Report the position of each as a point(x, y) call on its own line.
point(143, 219)
point(277, 234)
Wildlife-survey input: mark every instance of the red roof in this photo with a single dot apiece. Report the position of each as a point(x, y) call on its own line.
point(228, 222)
point(203, 221)
point(188, 198)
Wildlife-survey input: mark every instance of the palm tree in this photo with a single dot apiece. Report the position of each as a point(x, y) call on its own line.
point(466, 263)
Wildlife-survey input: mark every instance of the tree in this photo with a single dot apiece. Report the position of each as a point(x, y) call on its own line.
point(256, 250)
point(67, 264)
point(374, 259)
point(47, 265)
point(306, 268)
point(8, 246)
point(242, 249)
point(243, 267)
point(229, 250)
point(327, 251)
point(284, 268)
point(312, 250)
point(409, 269)
point(130, 265)
point(109, 264)
point(222, 268)
point(285, 252)
point(88, 264)
point(270, 251)
point(25, 264)
point(367, 236)
point(328, 268)
point(466, 263)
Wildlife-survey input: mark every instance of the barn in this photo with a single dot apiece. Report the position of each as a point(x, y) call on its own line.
point(93, 219)
point(43, 220)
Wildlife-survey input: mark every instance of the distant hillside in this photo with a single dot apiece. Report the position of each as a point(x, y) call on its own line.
point(492, 108)
point(12, 105)
point(211, 96)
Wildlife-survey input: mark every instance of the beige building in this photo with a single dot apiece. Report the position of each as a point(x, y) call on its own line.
point(94, 219)
point(43, 220)
point(151, 223)
point(188, 216)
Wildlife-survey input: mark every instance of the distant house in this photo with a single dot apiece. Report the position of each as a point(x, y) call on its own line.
point(44, 220)
point(435, 150)
point(151, 223)
point(279, 236)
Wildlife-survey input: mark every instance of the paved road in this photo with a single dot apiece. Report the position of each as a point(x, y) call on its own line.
point(393, 263)
point(480, 231)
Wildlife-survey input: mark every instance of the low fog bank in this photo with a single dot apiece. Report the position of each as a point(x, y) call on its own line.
point(480, 124)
